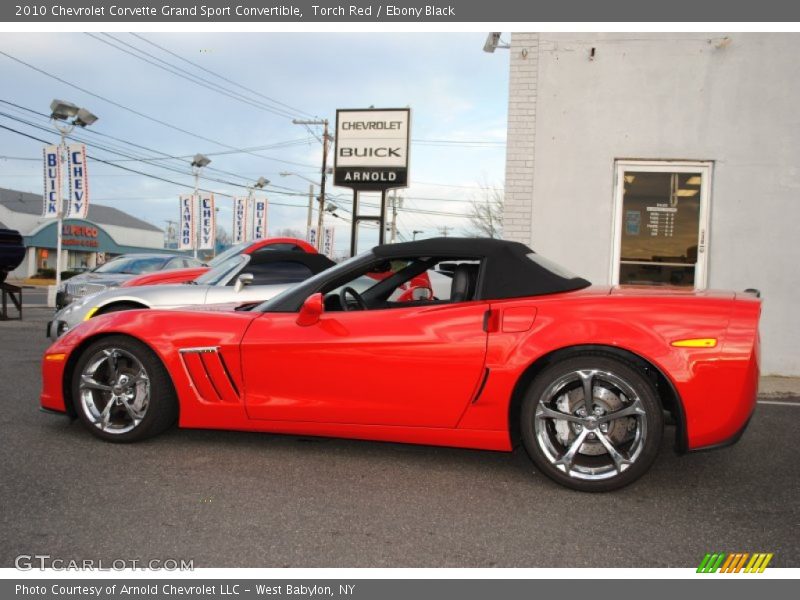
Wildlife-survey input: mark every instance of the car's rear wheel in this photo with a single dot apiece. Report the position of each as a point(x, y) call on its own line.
point(592, 422)
point(122, 392)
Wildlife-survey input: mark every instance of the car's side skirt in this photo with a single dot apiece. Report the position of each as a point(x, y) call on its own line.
point(429, 436)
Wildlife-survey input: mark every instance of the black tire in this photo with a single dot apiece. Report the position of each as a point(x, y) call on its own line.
point(118, 307)
point(162, 407)
point(545, 444)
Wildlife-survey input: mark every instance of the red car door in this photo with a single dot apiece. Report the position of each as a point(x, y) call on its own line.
point(413, 366)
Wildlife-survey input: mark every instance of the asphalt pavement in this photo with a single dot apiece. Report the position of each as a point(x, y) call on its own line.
point(226, 499)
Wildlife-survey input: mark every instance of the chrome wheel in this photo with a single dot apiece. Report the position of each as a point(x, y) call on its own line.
point(590, 424)
point(114, 391)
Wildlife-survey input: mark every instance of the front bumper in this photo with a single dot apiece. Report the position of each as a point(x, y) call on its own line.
point(55, 329)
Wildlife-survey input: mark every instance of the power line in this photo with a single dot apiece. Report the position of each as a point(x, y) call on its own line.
point(183, 74)
point(222, 77)
point(140, 114)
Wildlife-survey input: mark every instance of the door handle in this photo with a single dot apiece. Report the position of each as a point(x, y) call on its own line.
point(491, 321)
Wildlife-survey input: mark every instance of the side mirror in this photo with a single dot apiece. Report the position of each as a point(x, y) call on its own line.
point(311, 310)
point(243, 280)
point(421, 293)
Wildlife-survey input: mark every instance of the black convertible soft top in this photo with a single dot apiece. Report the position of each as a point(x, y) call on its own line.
point(510, 269)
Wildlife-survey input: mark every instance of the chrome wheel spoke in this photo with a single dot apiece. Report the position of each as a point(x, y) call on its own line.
point(632, 410)
point(104, 418)
point(87, 381)
point(587, 383)
point(113, 363)
point(568, 457)
point(543, 412)
point(135, 415)
point(620, 462)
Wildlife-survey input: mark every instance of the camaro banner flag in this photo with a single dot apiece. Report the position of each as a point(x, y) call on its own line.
point(78, 182)
point(207, 222)
point(52, 181)
point(260, 219)
point(187, 235)
point(240, 206)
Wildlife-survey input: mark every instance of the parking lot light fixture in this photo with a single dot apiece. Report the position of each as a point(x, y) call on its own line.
point(65, 116)
point(198, 162)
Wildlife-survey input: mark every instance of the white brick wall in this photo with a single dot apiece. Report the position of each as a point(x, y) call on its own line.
point(523, 87)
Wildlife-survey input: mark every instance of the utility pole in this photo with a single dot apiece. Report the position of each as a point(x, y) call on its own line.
point(445, 229)
point(323, 174)
point(170, 233)
point(310, 207)
point(396, 203)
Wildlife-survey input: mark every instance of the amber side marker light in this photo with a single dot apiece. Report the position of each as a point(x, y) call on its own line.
point(55, 357)
point(696, 343)
point(91, 312)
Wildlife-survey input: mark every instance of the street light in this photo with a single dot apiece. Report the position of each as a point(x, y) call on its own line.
point(65, 116)
point(198, 162)
point(251, 193)
point(493, 42)
point(415, 232)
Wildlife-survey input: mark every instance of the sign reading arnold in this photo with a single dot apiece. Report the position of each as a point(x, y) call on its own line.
point(372, 148)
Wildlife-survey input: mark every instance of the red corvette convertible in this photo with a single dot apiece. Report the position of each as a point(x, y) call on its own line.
point(516, 351)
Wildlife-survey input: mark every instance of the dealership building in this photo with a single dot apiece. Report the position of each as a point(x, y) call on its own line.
point(107, 232)
point(663, 159)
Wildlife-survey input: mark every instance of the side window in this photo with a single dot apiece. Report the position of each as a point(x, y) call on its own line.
point(174, 263)
point(274, 273)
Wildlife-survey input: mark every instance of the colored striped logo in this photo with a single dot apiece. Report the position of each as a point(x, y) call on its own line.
point(720, 562)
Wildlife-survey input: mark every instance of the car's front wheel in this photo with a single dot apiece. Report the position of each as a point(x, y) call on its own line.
point(121, 390)
point(592, 422)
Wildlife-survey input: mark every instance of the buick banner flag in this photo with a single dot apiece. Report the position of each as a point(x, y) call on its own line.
point(52, 182)
point(78, 182)
point(187, 234)
point(327, 242)
point(240, 206)
point(207, 222)
point(260, 219)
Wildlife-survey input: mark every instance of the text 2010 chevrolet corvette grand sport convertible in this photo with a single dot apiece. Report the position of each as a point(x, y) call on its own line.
point(516, 350)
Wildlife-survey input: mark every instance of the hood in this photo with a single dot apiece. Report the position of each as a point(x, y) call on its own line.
point(99, 278)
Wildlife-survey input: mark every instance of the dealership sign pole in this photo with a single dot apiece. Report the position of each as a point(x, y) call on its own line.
point(371, 155)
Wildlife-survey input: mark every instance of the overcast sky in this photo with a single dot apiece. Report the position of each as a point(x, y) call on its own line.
point(457, 93)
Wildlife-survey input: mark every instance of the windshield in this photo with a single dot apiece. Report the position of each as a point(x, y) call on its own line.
point(222, 271)
point(224, 256)
point(303, 289)
point(133, 265)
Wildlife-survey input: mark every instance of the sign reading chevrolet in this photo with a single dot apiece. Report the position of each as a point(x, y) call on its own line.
point(372, 148)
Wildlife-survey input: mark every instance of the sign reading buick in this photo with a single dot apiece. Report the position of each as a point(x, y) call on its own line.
point(372, 148)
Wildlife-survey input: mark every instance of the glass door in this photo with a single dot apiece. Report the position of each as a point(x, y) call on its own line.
point(661, 223)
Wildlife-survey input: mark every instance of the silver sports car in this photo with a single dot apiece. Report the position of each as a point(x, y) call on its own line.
point(242, 279)
point(117, 271)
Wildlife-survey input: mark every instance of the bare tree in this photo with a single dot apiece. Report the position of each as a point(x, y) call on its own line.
point(290, 232)
point(486, 212)
point(223, 237)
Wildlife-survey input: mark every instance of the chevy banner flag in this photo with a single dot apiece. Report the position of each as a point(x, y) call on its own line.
point(240, 206)
point(78, 205)
point(260, 219)
point(52, 181)
point(207, 222)
point(187, 233)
